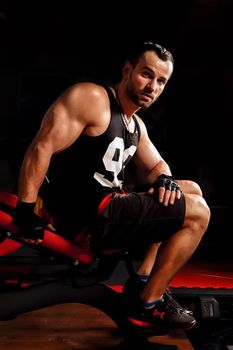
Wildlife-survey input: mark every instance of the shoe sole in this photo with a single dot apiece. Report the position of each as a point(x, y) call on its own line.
point(141, 324)
point(147, 328)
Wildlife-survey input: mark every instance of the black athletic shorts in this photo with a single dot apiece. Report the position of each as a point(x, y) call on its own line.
point(137, 219)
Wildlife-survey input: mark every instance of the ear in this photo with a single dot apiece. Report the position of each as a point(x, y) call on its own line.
point(126, 68)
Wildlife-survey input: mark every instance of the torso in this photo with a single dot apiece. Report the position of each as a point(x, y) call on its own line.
point(93, 166)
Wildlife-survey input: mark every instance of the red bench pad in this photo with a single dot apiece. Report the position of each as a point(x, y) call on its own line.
point(51, 241)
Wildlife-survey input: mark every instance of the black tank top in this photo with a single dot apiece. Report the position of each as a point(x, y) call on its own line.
point(81, 175)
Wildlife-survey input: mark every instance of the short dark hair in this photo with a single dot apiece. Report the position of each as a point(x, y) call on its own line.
point(135, 52)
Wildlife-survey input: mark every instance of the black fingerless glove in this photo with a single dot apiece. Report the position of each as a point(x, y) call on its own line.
point(168, 182)
point(29, 224)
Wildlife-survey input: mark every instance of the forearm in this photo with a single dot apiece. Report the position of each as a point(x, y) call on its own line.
point(160, 168)
point(32, 174)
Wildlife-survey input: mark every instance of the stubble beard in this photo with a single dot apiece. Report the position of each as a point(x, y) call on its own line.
point(135, 98)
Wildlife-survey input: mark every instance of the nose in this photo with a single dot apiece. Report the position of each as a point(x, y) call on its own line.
point(152, 85)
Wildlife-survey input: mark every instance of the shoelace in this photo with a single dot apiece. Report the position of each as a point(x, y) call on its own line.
point(167, 305)
point(170, 301)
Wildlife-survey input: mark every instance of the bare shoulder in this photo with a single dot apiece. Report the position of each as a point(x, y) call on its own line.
point(142, 126)
point(84, 101)
point(84, 93)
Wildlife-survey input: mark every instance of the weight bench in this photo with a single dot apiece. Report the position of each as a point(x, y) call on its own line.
point(72, 274)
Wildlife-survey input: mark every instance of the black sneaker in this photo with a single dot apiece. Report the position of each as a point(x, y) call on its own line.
point(162, 315)
point(134, 286)
point(169, 299)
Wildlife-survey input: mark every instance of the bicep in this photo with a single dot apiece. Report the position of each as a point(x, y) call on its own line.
point(58, 131)
point(147, 156)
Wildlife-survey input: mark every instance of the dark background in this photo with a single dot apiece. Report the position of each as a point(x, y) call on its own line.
point(47, 46)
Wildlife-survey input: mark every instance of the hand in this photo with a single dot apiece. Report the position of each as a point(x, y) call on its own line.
point(168, 189)
point(30, 226)
point(32, 234)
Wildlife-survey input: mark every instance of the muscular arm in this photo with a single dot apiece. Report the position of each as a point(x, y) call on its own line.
point(148, 159)
point(151, 163)
point(57, 131)
point(73, 113)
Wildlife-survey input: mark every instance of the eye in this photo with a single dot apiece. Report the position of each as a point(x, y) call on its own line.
point(161, 82)
point(147, 74)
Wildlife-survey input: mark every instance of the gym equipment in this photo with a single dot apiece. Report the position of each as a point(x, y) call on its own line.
point(59, 271)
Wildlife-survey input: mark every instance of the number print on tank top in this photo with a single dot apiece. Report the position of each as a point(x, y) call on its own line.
point(114, 161)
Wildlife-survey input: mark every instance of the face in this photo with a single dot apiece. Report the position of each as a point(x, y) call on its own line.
point(146, 81)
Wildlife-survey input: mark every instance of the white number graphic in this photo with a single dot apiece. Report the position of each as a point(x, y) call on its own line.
point(115, 148)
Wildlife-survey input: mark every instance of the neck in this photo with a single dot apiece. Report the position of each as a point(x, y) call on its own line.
point(127, 119)
point(126, 104)
point(127, 116)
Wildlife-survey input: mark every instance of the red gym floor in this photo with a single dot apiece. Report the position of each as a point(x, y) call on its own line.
point(203, 275)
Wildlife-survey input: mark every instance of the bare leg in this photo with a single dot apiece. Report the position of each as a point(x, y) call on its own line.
point(175, 252)
point(151, 254)
point(149, 260)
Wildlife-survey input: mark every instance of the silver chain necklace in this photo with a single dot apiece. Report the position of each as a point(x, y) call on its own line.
point(123, 116)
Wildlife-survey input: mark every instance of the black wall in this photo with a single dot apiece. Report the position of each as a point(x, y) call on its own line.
point(47, 46)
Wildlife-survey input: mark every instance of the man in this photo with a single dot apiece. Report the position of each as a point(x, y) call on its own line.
point(86, 140)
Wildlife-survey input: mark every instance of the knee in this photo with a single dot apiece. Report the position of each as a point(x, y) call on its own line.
point(197, 214)
point(189, 186)
point(195, 188)
point(204, 214)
